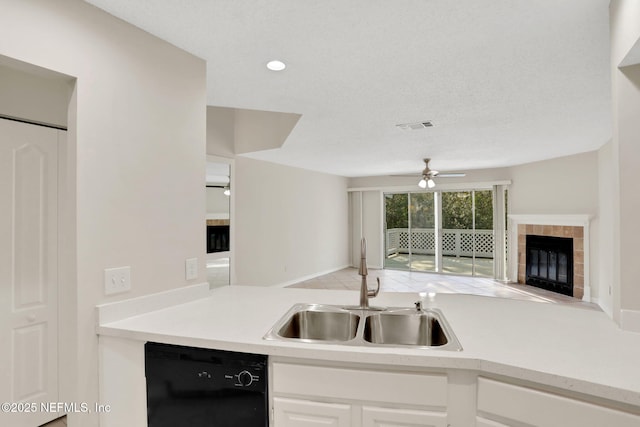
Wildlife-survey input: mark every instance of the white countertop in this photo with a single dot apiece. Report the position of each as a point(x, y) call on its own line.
point(572, 348)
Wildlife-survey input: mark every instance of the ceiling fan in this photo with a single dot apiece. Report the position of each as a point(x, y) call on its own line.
point(428, 174)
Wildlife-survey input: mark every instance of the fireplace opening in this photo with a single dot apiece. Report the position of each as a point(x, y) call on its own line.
point(549, 263)
point(217, 238)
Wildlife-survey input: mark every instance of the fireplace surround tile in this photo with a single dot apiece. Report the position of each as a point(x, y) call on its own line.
point(574, 226)
point(574, 232)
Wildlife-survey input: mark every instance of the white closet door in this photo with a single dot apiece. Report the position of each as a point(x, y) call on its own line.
point(28, 273)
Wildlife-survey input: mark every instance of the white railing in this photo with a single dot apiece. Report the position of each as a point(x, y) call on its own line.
point(454, 242)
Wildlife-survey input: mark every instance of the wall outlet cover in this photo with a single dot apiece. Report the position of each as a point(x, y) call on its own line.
point(117, 280)
point(191, 268)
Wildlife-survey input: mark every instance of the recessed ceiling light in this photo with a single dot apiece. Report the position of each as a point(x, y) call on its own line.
point(276, 65)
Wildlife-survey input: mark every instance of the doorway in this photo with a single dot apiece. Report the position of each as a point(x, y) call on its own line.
point(37, 244)
point(440, 231)
point(218, 221)
point(28, 269)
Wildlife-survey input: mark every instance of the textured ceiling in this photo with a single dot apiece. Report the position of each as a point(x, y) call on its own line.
point(504, 82)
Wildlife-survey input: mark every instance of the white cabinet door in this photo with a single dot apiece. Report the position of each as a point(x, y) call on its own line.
point(305, 413)
point(385, 417)
point(483, 422)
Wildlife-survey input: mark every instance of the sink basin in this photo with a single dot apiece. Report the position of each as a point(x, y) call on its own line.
point(390, 327)
point(407, 327)
point(318, 323)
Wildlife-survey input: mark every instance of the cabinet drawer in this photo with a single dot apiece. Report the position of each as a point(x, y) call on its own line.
point(373, 386)
point(302, 413)
point(546, 409)
point(377, 417)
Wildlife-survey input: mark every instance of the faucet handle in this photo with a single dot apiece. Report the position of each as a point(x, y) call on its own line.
point(374, 294)
point(418, 305)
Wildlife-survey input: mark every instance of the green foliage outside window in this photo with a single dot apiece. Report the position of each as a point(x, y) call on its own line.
point(397, 210)
point(457, 210)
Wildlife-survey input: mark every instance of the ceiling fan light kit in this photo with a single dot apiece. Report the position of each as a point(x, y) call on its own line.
point(426, 182)
point(428, 174)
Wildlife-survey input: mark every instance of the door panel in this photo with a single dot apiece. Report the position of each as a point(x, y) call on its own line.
point(28, 269)
point(386, 417)
point(457, 233)
point(397, 237)
point(484, 240)
point(302, 413)
point(422, 231)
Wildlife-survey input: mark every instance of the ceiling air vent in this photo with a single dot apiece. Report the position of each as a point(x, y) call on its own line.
point(415, 126)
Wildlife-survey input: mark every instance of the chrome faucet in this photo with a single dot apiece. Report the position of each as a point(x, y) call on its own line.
point(365, 293)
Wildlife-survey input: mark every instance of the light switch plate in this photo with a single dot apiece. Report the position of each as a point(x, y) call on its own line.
point(117, 280)
point(191, 268)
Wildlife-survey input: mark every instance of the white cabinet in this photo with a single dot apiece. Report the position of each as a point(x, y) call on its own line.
point(386, 417)
point(304, 413)
point(307, 413)
point(308, 396)
point(523, 405)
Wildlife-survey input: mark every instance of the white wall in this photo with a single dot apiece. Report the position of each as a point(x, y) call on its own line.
point(625, 32)
point(257, 130)
point(221, 131)
point(233, 131)
point(606, 218)
point(136, 160)
point(33, 94)
point(566, 185)
point(290, 223)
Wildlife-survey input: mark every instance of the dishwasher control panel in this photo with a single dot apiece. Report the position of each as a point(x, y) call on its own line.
point(214, 385)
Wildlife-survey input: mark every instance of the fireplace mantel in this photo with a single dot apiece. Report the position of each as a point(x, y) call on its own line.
point(577, 220)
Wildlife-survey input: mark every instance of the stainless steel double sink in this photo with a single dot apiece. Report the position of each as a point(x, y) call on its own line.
point(387, 327)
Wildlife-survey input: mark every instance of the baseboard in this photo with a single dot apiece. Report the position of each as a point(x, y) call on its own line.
point(114, 311)
point(630, 320)
point(309, 277)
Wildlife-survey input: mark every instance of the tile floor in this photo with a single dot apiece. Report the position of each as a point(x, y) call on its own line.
point(405, 281)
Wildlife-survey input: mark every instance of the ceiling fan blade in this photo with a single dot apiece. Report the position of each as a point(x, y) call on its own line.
point(451, 175)
point(434, 175)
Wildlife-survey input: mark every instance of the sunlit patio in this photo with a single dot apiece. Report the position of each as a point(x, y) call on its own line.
point(481, 267)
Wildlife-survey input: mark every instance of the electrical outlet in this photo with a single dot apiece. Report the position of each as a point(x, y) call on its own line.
point(191, 268)
point(117, 280)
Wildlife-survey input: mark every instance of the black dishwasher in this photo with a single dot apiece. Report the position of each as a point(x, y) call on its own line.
point(195, 387)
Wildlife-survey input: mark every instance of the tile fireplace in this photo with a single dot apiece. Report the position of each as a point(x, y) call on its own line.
point(552, 253)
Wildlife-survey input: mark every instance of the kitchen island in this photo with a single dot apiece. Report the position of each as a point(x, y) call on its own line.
point(522, 362)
